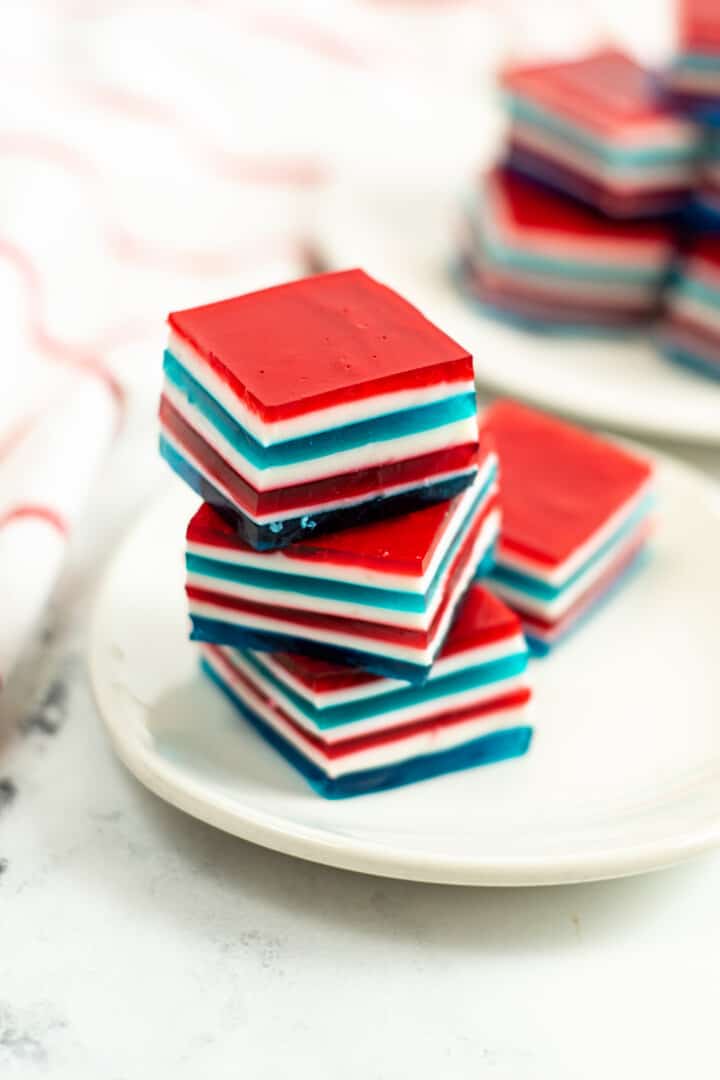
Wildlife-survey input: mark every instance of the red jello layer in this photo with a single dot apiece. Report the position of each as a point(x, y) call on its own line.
point(560, 484)
point(288, 500)
point(401, 545)
point(606, 91)
point(374, 631)
point(699, 25)
point(321, 341)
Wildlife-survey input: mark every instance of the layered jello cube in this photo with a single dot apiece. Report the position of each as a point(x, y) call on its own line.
point(316, 405)
point(381, 596)
point(599, 129)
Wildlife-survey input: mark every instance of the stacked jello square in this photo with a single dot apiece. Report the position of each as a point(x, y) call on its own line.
point(350, 506)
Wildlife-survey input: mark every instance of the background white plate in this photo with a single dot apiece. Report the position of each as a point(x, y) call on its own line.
point(624, 774)
point(404, 236)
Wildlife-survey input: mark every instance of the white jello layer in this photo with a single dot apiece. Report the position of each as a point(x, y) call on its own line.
point(557, 576)
point(457, 433)
point(353, 638)
point(313, 421)
point(443, 666)
point(401, 749)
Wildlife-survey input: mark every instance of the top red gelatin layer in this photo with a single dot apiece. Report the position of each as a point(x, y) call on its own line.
point(699, 24)
point(532, 207)
point(481, 620)
point(559, 483)
point(607, 91)
point(399, 545)
point(319, 342)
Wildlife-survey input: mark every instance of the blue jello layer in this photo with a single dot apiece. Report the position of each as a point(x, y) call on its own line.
point(218, 632)
point(328, 589)
point(325, 443)
point(446, 686)
point(280, 533)
point(481, 751)
point(541, 590)
point(242, 637)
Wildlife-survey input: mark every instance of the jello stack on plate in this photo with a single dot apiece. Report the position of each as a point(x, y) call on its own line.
point(349, 507)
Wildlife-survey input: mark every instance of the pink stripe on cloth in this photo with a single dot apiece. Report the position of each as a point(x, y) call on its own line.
point(40, 513)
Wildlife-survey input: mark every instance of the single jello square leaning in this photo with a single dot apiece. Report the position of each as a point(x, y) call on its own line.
point(316, 405)
point(380, 596)
point(576, 514)
point(349, 733)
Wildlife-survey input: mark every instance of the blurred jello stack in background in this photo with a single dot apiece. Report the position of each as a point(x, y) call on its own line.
point(350, 505)
point(576, 229)
point(596, 218)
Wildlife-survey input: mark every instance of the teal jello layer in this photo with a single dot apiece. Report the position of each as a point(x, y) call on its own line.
point(329, 589)
point(540, 590)
point(591, 271)
point(408, 696)
point(695, 61)
point(691, 360)
point(394, 425)
point(699, 291)
point(604, 151)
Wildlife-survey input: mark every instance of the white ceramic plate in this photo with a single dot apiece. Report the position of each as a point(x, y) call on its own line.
point(404, 237)
point(623, 776)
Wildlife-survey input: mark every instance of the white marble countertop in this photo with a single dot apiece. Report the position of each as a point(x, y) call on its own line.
point(137, 943)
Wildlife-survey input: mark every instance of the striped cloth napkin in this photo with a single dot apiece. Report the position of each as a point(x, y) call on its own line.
point(157, 156)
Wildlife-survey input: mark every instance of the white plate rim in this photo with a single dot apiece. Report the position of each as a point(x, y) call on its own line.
point(429, 285)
